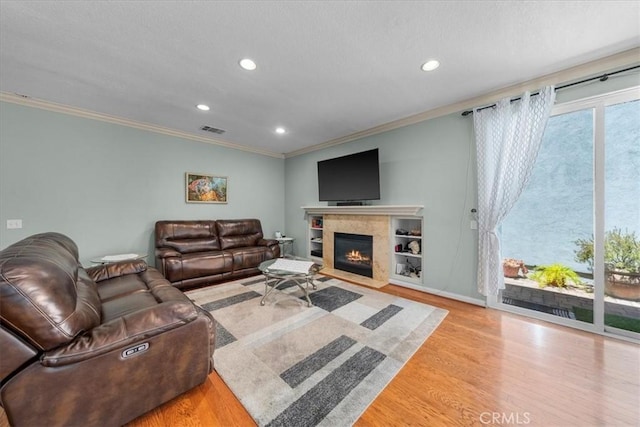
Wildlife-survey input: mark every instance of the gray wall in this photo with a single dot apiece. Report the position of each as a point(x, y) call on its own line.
point(430, 163)
point(105, 185)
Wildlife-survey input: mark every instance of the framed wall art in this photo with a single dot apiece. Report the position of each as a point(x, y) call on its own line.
point(201, 188)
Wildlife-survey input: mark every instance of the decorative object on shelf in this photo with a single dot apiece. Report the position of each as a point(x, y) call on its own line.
point(414, 247)
point(316, 222)
point(511, 268)
point(416, 233)
point(278, 235)
point(408, 269)
point(201, 188)
point(398, 248)
point(402, 232)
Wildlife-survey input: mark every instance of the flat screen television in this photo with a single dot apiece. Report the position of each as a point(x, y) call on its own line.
point(355, 177)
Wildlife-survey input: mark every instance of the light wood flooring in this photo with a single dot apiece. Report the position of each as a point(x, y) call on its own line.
point(480, 367)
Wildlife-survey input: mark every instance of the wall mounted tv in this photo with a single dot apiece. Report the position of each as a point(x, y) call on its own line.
point(355, 177)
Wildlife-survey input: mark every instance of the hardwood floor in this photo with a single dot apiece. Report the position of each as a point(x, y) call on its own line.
point(480, 367)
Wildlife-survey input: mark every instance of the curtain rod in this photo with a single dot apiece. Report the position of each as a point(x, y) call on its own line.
point(604, 77)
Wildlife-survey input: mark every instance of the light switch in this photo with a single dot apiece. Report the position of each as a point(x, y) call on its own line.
point(14, 223)
point(474, 224)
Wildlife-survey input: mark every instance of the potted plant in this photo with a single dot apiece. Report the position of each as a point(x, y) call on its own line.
point(621, 261)
point(557, 275)
point(511, 267)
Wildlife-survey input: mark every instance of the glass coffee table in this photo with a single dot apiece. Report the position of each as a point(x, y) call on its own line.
point(299, 270)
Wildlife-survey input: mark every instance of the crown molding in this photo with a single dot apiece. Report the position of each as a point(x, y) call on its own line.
point(599, 66)
point(78, 112)
point(607, 64)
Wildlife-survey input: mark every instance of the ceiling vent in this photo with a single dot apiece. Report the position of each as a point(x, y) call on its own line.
point(213, 130)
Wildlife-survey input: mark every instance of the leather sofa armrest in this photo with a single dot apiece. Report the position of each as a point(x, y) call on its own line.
point(272, 244)
point(267, 242)
point(109, 271)
point(167, 252)
point(123, 331)
point(163, 254)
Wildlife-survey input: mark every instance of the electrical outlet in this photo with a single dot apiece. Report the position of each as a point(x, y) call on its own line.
point(14, 224)
point(474, 224)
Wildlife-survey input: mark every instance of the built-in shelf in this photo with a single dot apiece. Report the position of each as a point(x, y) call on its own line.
point(409, 254)
point(403, 210)
point(314, 236)
point(406, 267)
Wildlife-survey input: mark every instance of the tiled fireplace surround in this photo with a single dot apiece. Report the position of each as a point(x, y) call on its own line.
point(368, 220)
point(372, 225)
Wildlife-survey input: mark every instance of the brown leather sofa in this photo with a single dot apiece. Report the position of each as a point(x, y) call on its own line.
point(92, 347)
point(196, 253)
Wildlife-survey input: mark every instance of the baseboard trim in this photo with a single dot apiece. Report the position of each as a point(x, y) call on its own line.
point(440, 293)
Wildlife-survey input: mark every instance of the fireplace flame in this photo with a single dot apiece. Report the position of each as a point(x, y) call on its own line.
point(357, 257)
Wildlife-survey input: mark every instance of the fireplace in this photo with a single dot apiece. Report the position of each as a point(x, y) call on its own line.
point(353, 253)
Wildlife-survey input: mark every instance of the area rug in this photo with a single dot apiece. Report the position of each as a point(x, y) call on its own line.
point(294, 365)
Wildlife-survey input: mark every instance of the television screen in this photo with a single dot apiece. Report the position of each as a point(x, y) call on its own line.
point(352, 177)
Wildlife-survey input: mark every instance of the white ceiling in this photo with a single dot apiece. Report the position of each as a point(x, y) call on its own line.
point(326, 69)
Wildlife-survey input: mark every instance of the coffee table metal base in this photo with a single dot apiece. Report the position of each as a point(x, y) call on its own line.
point(298, 280)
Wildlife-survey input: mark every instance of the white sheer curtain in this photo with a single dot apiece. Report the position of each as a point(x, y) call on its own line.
point(508, 138)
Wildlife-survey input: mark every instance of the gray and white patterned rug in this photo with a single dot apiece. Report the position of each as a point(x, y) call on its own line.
point(293, 365)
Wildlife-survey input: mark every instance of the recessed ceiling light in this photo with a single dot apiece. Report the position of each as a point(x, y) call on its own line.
point(281, 130)
point(430, 65)
point(248, 64)
point(203, 107)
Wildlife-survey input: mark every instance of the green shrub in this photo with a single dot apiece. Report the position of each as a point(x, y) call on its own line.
point(621, 251)
point(555, 275)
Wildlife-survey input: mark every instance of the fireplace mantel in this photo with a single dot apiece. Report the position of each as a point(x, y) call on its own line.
point(364, 210)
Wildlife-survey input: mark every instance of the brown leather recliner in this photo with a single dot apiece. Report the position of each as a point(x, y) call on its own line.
point(92, 347)
point(196, 253)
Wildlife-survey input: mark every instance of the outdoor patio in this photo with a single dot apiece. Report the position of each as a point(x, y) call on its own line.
point(527, 290)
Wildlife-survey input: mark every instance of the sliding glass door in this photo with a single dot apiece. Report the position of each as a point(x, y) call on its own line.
point(575, 231)
point(622, 217)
